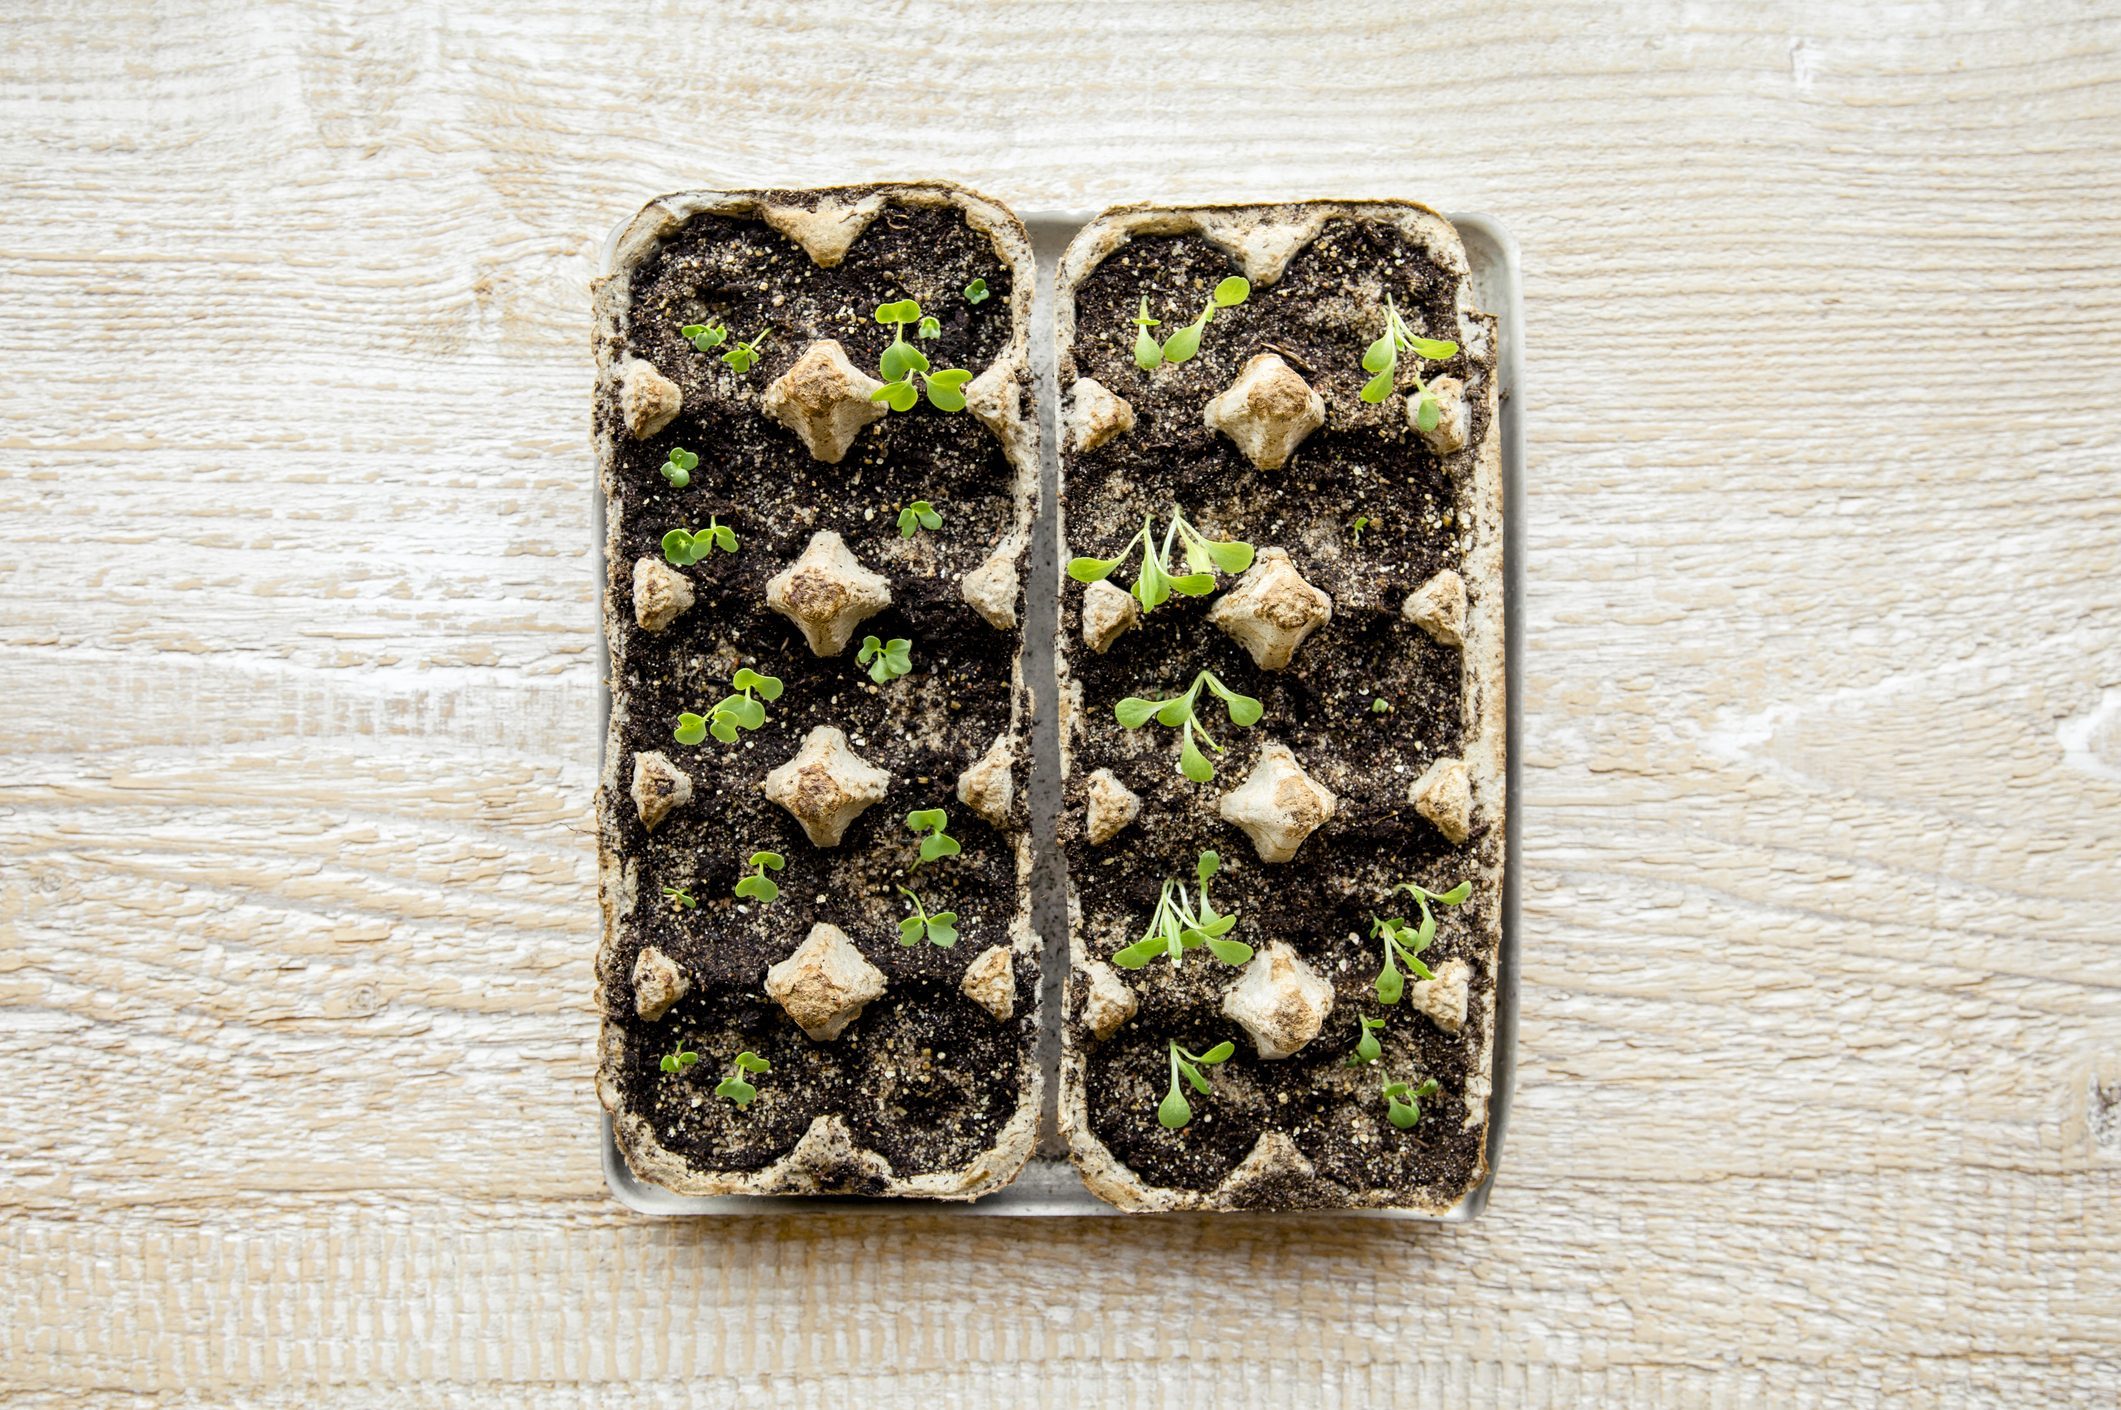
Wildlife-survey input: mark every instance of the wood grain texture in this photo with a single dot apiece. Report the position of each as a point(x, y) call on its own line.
point(1819, 1098)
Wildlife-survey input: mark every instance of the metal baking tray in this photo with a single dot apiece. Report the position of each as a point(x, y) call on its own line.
point(1048, 1184)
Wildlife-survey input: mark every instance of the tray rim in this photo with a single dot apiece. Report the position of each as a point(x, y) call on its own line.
point(1048, 1185)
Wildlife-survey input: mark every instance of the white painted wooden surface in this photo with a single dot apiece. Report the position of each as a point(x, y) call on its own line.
point(1820, 1095)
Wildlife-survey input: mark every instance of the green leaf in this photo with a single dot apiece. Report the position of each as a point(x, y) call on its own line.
point(670, 1064)
point(743, 711)
point(1231, 557)
point(677, 547)
point(903, 311)
point(723, 728)
point(686, 1060)
point(1194, 764)
point(1229, 951)
point(931, 518)
point(1391, 984)
point(1181, 345)
point(1175, 711)
point(899, 396)
point(1140, 952)
point(931, 327)
point(942, 929)
point(758, 887)
point(1377, 388)
point(1244, 710)
point(1434, 349)
point(937, 847)
point(897, 361)
point(1427, 414)
point(1381, 357)
point(1134, 712)
point(927, 820)
point(943, 396)
point(1147, 355)
point(1232, 292)
point(1152, 589)
point(1172, 1111)
point(1193, 1078)
point(1194, 584)
point(1402, 1114)
point(752, 1062)
point(1209, 864)
point(909, 930)
point(691, 728)
point(1221, 1052)
point(1092, 570)
point(976, 292)
point(952, 377)
point(684, 459)
point(678, 478)
point(1143, 317)
point(772, 861)
point(1457, 895)
point(737, 1090)
point(724, 538)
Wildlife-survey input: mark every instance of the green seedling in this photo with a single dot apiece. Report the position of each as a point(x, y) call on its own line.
point(680, 1061)
point(1382, 360)
point(1177, 713)
point(932, 826)
point(679, 466)
point(931, 327)
point(680, 899)
point(917, 516)
point(1173, 1111)
point(759, 886)
point(1404, 943)
point(976, 292)
point(685, 547)
point(1356, 526)
point(1380, 706)
point(886, 660)
point(732, 713)
point(1156, 582)
point(735, 1087)
point(1177, 927)
point(745, 355)
point(1182, 345)
point(1367, 1048)
point(1403, 1103)
point(706, 337)
point(902, 362)
point(939, 928)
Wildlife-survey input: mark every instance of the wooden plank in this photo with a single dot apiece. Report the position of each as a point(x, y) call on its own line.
point(1820, 1089)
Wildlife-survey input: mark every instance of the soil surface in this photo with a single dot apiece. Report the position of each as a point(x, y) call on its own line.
point(1365, 462)
point(925, 1077)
